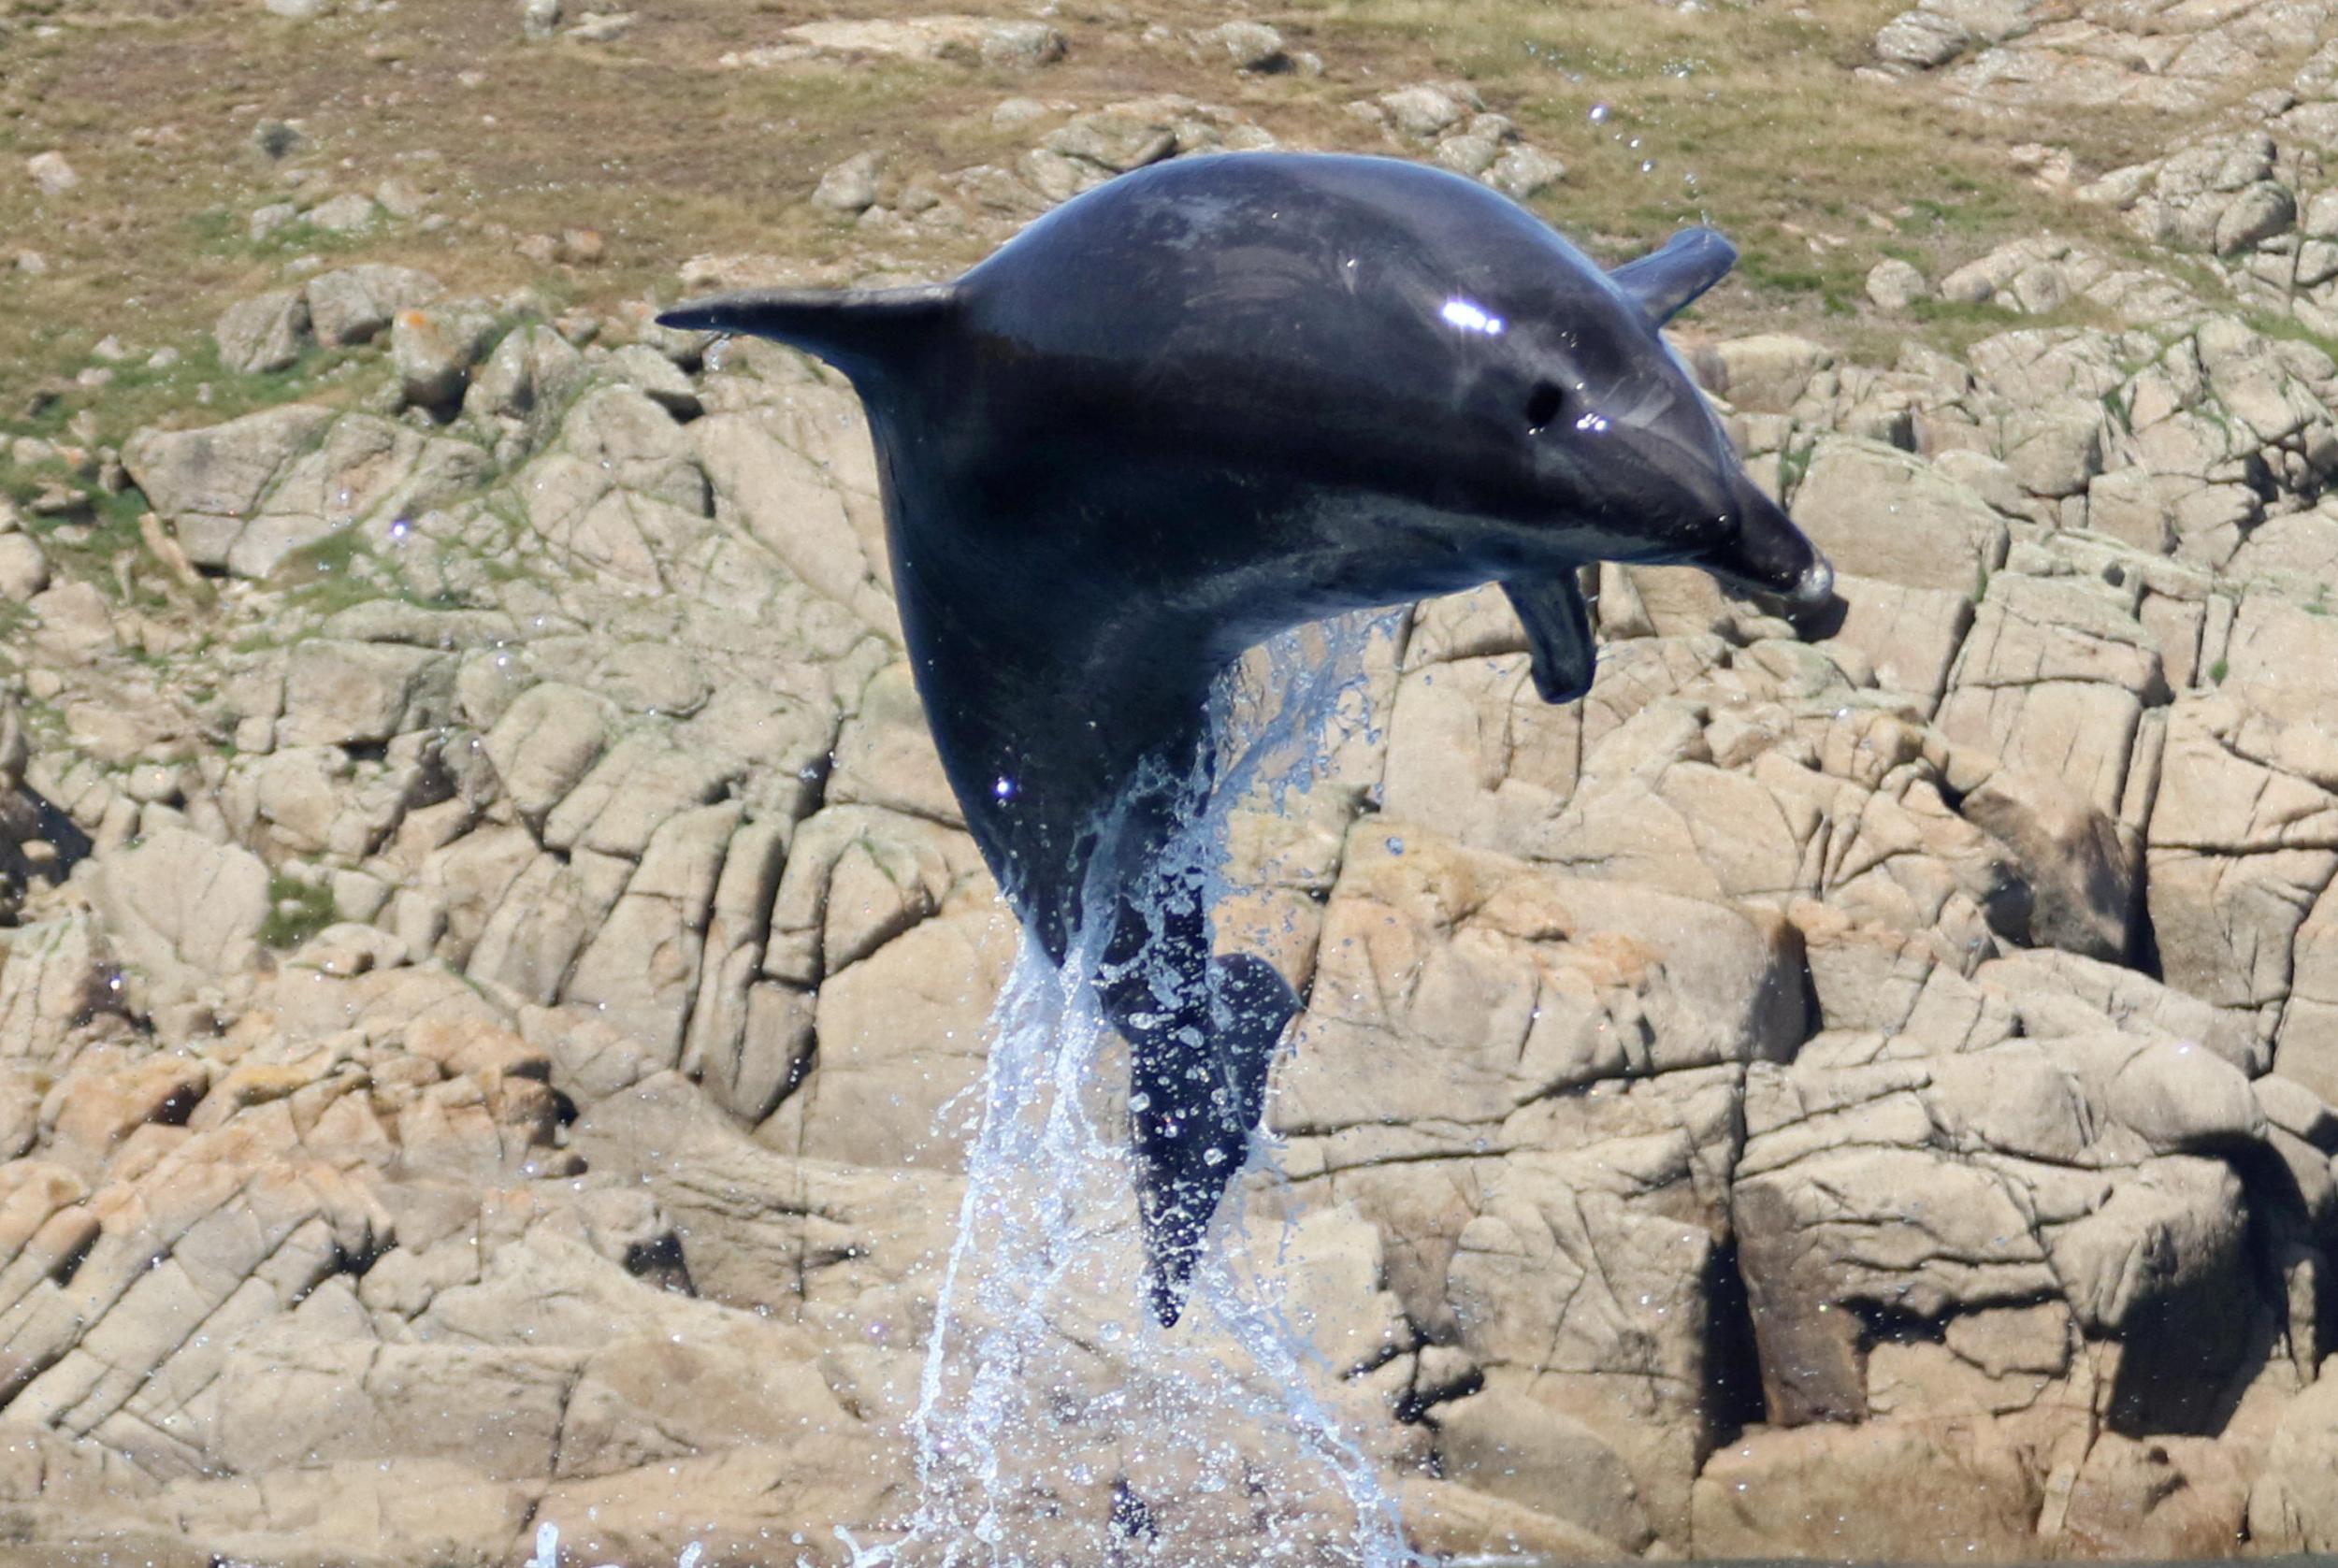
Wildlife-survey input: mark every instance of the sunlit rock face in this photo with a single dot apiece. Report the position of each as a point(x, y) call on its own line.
point(496, 991)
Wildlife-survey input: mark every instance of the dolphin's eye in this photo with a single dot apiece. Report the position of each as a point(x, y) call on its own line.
point(1543, 404)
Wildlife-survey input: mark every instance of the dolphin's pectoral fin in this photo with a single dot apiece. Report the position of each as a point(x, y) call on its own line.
point(1197, 1092)
point(1558, 634)
point(843, 326)
point(1665, 280)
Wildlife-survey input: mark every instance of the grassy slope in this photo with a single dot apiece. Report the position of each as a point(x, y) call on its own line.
point(1745, 116)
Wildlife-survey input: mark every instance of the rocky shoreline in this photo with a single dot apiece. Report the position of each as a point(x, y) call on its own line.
point(492, 968)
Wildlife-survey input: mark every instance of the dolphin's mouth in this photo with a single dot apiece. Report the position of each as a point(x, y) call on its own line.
point(1769, 559)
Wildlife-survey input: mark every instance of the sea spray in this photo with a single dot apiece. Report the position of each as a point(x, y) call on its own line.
point(1057, 1423)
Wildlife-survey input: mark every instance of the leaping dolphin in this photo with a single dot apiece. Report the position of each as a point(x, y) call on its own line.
point(1201, 404)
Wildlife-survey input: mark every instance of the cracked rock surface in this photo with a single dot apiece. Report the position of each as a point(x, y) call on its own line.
point(491, 972)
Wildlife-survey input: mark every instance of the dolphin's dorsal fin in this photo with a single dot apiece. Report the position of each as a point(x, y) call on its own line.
point(1663, 282)
point(849, 328)
point(1558, 634)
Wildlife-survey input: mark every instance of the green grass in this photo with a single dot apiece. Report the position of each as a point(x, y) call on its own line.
point(2281, 327)
point(1793, 462)
point(296, 911)
point(1743, 115)
point(173, 395)
point(2115, 406)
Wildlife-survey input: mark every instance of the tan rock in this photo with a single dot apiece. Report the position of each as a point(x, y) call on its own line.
point(747, 1058)
point(1474, 749)
point(73, 621)
point(545, 742)
point(433, 346)
point(840, 1247)
point(733, 1503)
point(1449, 1521)
point(2172, 1497)
point(1898, 1490)
point(958, 40)
point(266, 332)
point(1457, 984)
point(2291, 1506)
point(109, 1096)
point(640, 970)
point(1766, 373)
point(885, 756)
point(183, 912)
point(1909, 636)
point(23, 569)
point(797, 508)
point(1880, 512)
point(437, 1510)
point(2056, 994)
point(207, 483)
point(901, 1035)
point(1505, 1442)
point(1657, 806)
point(2274, 655)
point(364, 467)
point(287, 1402)
point(2227, 894)
point(341, 693)
point(640, 784)
point(58, 976)
point(529, 376)
point(356, 304)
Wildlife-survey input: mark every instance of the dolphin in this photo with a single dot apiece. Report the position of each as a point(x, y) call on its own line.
point(1203, 403)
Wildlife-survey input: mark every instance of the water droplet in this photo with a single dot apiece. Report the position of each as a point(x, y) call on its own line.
point(1599, 114)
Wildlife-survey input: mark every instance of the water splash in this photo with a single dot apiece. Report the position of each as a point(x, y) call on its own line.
point(1056, 1422)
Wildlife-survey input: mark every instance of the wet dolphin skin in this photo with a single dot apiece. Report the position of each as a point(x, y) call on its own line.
point(1201, 404)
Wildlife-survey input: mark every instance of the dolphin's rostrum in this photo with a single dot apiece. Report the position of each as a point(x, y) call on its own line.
point(1201, 404)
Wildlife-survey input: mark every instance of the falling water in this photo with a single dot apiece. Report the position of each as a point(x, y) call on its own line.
point(1058, 1423)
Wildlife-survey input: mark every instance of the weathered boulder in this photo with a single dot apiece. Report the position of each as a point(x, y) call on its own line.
point(1457, 984)
point(1901, 1492)
point(363, 693)
point(356, 304)
point(266, 332)
point(530, 375)
point(789, 502)
point(1880, 512)
point(208, 484)
point(621, 494)
point(1765, 374)
point(60, 976)
point(2078, 1170)
point(955, 39)
point(545, 742)
point(182, 912)
point(2292, 1506)
point(433, 348)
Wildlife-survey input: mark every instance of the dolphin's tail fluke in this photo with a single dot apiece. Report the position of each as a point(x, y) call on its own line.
point(1195, 1095)
point(850, 328)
